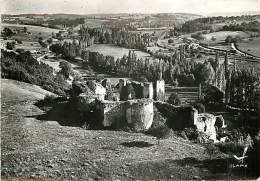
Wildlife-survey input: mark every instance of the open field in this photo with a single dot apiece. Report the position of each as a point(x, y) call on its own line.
point(49, 150)
point(31, 28)
point(91, 23)
point(27, 45)
point(252, 47)
point(115, 51)
point(222, 35)
point(36, 31)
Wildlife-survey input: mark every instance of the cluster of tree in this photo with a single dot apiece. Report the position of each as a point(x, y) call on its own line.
point(23, 67)
point(56, 23)
point(178, 72)
point(207, 22)
point(231, 39)
point(253, 26)
point(241, 87)
point(68, 50)
point(175, 69)
point(116, 36)
point(7, 32)
point(66, 22)
point(195, 25)
point(198, 36)
point(10, 45)
point(42, 43)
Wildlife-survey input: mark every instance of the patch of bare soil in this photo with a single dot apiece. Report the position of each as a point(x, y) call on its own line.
point(35, 149)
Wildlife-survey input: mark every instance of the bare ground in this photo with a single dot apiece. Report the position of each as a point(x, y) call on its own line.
point(43, 150)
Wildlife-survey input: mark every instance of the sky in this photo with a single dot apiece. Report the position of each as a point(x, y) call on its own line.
point(127, 6)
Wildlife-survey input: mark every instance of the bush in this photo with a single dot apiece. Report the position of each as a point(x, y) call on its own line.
point(23, 67)
point(49, 98)
point(66, 69)
point(174, 99)
point(18, 41)
point(170, 41)
point(160, 132)
point(213, 95)
point(10, 45)
point(231, 148)
point(191, 133)
point(213, 38)
point(200, 107)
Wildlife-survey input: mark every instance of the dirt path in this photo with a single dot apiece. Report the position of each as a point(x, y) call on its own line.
point(45, 150)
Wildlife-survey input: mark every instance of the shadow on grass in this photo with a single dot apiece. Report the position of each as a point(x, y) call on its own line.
point(66, 114)
point(139, 144)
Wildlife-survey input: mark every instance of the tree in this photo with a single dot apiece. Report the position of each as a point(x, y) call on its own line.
point(24, 29)
point(213, 38)
point(66, 69)
point(49, 40)
point(10, 45)
point(200, 107)
point(170, 41)
point(8, 32)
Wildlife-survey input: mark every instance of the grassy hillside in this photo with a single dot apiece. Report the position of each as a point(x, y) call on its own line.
point(43, 149)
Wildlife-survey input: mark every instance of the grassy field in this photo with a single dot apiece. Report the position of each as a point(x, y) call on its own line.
point(49, 150)
point(115, 51)
point(252, 47)
point(36, 31)
point(91, 23)
point(221, 36)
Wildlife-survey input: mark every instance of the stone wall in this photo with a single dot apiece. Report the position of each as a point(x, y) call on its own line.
point(206, 123)
point(113, 113)
point(159, 90)
point(148, 90)
point(139, 114)
point(97, 89)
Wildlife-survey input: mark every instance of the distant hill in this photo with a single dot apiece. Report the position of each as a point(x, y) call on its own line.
point(235, 13)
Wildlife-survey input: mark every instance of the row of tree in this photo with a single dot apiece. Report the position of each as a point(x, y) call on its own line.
point(241, 87)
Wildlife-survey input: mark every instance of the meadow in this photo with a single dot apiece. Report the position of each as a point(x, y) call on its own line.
point(115, 51)
point(222, 35)
point(36, 31)
point(252, 47)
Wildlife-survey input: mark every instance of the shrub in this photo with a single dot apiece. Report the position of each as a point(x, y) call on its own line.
point(170, 41)
point(191, 133)
point(213, 94)
point(174, 99)
point(160, 132)
point(231, 148)
point(23, 67)
point(18, 41)
point(200, 107)
point(213, 38)
point(211, 149)
point(10, 45)
point(49, 98)
point(66, 69)
point(143, 79)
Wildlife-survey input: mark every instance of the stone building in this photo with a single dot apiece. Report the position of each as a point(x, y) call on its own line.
point(136, 114)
